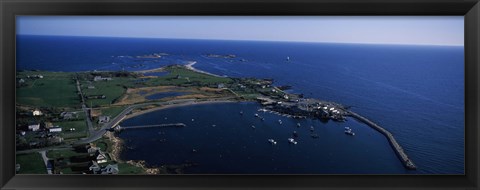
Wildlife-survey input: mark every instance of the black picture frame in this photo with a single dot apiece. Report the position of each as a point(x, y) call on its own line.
point(11, 8)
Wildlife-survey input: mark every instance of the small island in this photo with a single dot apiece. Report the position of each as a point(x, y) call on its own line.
point(66, 121)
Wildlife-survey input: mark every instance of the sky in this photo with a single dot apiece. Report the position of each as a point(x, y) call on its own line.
point(421, 30)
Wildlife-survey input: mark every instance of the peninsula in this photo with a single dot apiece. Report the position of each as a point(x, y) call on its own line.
point(66, 121)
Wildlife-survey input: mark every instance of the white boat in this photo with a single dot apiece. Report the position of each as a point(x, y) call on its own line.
point(347, 128)
point(288, 58)
point(256, 115)
point(349, 132)
point(292, 141)
point(272, 141)
point(298, 125)
point(280, 121)
point(253, 126)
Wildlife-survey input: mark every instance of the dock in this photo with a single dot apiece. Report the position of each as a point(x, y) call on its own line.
point(150, 126)
point(396, 147)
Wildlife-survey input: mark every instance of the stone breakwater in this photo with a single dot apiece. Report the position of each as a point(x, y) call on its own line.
point(396, 147)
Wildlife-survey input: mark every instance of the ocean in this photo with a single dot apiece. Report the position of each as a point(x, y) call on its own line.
point(415, 92)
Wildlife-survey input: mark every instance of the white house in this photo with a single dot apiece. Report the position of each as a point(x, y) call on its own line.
point(55, 130)
point(37, 113)
point(34, 127)
point(100, 78)
point(100, 157)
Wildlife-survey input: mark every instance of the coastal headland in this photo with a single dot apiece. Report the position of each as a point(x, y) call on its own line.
point(105, 99)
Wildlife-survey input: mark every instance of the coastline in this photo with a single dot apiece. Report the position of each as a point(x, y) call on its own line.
point(148, 110)
point(117, 145)
point(190, 66)
point(117, 142)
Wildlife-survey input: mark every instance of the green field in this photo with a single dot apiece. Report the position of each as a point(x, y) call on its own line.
point(112, 89)
point(112, 111)
point(55, 154)
point(104, 144)
point(31, 163)
point(80, 129)
point(55, 89)
point(125, 168)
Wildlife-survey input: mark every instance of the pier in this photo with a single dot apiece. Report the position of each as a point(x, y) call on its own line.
point(150, 126)
point(396, 147)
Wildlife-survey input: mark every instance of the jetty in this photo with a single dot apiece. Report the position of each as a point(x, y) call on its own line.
point(396, 147)
point(118, 127)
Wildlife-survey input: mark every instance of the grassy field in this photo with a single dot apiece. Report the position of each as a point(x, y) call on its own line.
point(111, 89)
point(126, 168)
point(31, 163)
point(112, 111)
point(104, 144)
point(54, 154)
point(80, 126)
point(55, 89)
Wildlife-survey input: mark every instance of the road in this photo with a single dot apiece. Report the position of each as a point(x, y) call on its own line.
point(91, 130)
point(119, 118)
point(45, 160)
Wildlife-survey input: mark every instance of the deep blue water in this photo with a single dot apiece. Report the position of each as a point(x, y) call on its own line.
point(416, 92)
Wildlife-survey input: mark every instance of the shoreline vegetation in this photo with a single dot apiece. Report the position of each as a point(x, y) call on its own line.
point(132, 89)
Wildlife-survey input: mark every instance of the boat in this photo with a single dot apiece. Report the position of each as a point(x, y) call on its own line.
point(253, 126)
point(312, 129)
point(292, 141)
point(214, 125)
point(349, 132)
point(263, 119)
point(256, 115)
point(193, 119)
point(272, 141)
point(263, 109)
point(298, 125)
point(241, 112)
point(280, 121)
point(295, 134)
point(347, 128)
point(288, 58)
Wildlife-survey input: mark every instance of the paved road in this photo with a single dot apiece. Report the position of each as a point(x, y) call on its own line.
point(99, 133)
point(45, 160)
point(91, 130)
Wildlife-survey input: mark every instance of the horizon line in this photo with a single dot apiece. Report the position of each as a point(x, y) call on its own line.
point(253, 40)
